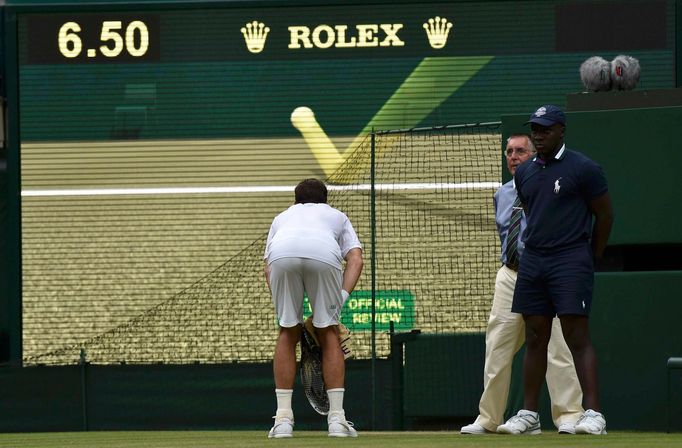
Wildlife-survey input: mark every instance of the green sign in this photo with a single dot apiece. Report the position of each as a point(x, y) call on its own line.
point(395, 306)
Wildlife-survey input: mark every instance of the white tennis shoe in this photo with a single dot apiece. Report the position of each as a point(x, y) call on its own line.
point(339, 426)
point(524, 422)
point(591, 422)
point(567, 428)
point(284, 427)
point(473, 428)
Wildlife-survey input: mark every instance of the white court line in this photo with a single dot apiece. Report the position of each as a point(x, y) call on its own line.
point(253, 189)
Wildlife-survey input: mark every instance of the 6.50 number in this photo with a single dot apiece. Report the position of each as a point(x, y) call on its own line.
point(135, 40)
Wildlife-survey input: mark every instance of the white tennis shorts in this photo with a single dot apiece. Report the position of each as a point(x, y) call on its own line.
point(291, 278)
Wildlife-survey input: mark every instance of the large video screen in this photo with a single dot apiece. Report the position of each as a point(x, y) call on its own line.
point(159, 141)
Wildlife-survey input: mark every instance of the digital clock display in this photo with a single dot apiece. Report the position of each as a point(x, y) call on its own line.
point(90, 37)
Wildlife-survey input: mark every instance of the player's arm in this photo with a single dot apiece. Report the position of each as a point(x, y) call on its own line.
point(266, 270)
point(602, 210)
point(351, 273)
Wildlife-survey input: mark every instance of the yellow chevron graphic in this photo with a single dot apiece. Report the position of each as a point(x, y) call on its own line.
point(432, 82)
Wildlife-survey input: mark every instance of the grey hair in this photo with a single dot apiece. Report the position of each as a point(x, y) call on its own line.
point(530, 141)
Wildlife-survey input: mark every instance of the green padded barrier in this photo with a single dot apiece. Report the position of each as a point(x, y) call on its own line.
point(635, 330)
point(639, 151)
point(443, 375)
point(674, 366)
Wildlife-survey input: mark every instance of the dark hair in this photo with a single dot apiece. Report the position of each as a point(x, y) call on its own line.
point(311, 191)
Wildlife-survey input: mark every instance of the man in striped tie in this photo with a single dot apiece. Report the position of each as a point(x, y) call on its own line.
point(505, 332)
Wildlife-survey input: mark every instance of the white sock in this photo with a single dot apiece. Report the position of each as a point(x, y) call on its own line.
point(284, 403)
point(336, 399)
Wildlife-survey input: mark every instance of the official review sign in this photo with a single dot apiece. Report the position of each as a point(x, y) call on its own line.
point(395, 306)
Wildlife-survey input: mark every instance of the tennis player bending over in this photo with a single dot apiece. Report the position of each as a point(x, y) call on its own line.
point(304, 253)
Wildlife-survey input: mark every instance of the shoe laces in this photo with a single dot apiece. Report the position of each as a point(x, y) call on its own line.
point(340, 419)
point(517, 419)
point(591, 419)
point(280, 420)
point(527, 419)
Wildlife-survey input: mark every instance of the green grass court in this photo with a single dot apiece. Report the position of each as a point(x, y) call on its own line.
point(208, 439)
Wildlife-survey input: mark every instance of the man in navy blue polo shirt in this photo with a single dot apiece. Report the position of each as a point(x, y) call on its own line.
point(569, 217)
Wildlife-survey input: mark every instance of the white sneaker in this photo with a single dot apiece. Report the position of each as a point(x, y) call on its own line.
point(591, 422)
point(339, 426)
point(524, 422)
point(473, 428)
point(284, 427)
point(567, 428)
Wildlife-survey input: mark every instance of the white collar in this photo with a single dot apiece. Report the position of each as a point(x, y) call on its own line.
point(558, 155)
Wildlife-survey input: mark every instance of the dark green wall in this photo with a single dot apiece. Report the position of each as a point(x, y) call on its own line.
point(635, 328)
point(4, 281)
point(442, 378)
point(164, 397)
point(640, 152)
point(634, 319)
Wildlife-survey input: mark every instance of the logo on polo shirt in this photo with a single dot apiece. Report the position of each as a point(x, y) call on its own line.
point(557, 187)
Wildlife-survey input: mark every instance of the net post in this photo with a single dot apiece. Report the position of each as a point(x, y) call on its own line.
point(372, 175)
point(396, 356)
point(82, 361)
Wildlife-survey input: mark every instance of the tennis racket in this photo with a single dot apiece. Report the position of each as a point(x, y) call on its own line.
point(311, 371)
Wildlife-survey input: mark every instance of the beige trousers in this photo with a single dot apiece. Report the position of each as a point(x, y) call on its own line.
point(503, 338)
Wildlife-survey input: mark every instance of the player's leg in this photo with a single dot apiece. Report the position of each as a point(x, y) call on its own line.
point(333, 362)
point(287, 296)
point(563, 385)
point(323, 284)
point(284, 361)
point(503, 337)
point(334, 373)
point(286, 282)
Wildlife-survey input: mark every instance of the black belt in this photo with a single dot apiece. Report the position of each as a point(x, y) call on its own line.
point(513, 267)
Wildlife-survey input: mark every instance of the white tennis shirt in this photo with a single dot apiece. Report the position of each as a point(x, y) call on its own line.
point(315, 231)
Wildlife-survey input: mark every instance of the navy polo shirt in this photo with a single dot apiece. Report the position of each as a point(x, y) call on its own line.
point(556, 194)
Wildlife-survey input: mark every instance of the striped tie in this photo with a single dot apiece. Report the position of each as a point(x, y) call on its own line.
point(512, 252)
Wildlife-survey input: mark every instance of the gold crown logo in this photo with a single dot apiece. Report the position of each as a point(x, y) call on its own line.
point(437, 30)
point(255, 34)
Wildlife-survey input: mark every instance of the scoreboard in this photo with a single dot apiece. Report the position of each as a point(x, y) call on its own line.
point(229, 69)
point(121, 114)
point(242, 72)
